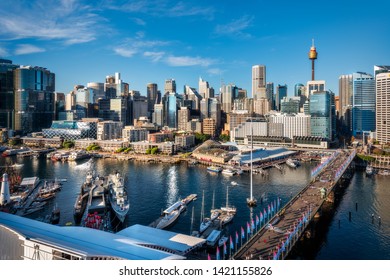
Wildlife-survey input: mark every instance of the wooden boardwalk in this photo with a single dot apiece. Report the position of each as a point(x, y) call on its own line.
point(276, 237)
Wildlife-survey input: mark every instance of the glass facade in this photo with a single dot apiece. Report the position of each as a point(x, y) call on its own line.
point(171, 107)
point(7, 93)
point(281, 92)
point(363, 104)
point(321, 115)
point(34, 99)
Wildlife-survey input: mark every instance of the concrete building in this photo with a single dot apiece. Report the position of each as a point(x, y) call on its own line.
point(293, 124)
point(209, 127)
point(109, 130)
point(258, 81)
point(383, 107)
point(261, 106)
point(314, 86)
point(183, 118)
point(195, 126)
point(184, 141)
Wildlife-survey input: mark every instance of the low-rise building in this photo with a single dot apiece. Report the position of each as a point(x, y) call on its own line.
point(134, 134)
point(185, 141)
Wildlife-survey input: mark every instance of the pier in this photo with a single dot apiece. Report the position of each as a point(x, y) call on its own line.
point(280, 228)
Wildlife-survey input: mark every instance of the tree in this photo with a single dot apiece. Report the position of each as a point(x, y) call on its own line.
point(224, 137)
point(148, 151)
point(200, 138)
point(154, 150)
point(68, 144)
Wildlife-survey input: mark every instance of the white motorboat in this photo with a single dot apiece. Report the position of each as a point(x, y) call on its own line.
point(227, 218)
point(292, 163)
point(118, 196)
point(228, 172)
point(369, 170)
point(168, 219)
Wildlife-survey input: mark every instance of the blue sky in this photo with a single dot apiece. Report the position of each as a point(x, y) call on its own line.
point(219, 40)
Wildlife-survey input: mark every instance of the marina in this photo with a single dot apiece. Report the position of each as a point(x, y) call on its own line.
point(166, 184)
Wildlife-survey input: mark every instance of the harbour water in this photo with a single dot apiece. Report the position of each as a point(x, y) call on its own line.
point(154, 187)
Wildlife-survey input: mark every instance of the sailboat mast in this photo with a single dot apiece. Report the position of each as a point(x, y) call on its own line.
point(251, 161)
point(212, 207)
point(202, 212)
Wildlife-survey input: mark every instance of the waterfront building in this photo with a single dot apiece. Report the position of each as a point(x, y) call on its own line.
point(167, 148)
point(258, 81)
point(383, 107)
point(105, 145)
point(363, 104)
point(34, 98)
point(321, 115)
point(281, 92)
point(160, 137)
point(7, 94)
point(256, 128)
point(293, 124)
point(261, 106)
point(170, 86)
point(72, 130)
point(209, 127)
point(41, 142)
point(185, 141)
point(212, 151)
point(108, 130)
point(134, 134)
point(195, 126)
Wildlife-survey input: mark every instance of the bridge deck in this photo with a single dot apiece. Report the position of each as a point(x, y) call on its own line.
point(265, 243)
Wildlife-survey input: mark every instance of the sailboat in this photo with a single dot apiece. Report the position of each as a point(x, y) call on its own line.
point(205, 222)
point(214, 212)
point(251, 201)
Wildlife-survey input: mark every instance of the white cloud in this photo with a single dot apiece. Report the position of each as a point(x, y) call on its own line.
point(66, 21)
point(215, 71)
point(154, 56)
point(27, 49)
point(235, 28)
point(126, 52)
point(139, 21)
point(188, 61)
point(3, 52)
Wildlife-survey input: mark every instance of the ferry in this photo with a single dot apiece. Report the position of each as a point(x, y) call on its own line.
point(118, 196)
point(228, 172)
point(77, 155)
point(213, 168)
point(13, 152)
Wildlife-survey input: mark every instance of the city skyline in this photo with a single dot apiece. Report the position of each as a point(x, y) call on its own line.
point(152, 41)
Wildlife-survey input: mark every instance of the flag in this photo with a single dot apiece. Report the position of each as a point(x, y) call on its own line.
point(272, 207)
point(218, 256)
point(265, 214)
point(252, 224)
point(236, 237)
point(231, 243)
point(261, 217)
point(257, 221)
point(224, 248)
point(278, 203)
point(269, 208)
point(242, 233)
point(248, 229)
point(208, 257)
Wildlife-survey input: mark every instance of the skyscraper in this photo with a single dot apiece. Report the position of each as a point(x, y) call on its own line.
point(153, 96)
point(228, 93)
point(98, 90)
point(299, 89)
point(7, 93)
point(258, 81)
point(314, 86)
point(170, 86)
point(114, 86)
point(321, 115)
point(281, 92)
point(383, 107)
point(270, 95)
point(363, 104)
point(34, 98)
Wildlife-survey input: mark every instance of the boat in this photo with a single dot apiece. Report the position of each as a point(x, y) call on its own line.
point(214, 212)
point(213, 168)
point(228, 172)
point(213, 238)
point(228, 209)
point(233, 183)
point(222, 241)
point(293, 163)
point(50, 187)
point(369, 170)
point(205, 222)
point(227, 218)
point(77, 155)
point(79, 207)
point(384, 172)
point(96, 200)
point(251, 201)
point(17, 165)
point(118, 196)
point(55, 215)
point(13, 152)
point(45, 196)
point(168, 219)
point(189, 198)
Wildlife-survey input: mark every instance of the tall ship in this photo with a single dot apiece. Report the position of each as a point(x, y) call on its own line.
point(118, 196)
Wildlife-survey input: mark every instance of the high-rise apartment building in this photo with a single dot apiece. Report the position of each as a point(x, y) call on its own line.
point(34, 98)
point(258, 81)
point(383, 107)
point(158, 115)
point(183, 118)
